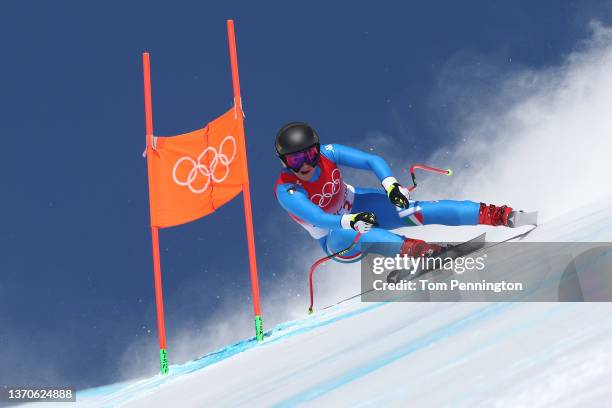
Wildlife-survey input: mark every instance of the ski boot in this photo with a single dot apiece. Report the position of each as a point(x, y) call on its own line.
point(505, 216)
point(417, 248)
point(414, 248)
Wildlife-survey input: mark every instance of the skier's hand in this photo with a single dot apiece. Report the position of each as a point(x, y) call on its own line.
point(398, 195)
point(360, 222)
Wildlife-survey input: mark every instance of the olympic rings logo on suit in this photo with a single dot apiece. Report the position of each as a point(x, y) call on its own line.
point(208, 171)
point(329, 190)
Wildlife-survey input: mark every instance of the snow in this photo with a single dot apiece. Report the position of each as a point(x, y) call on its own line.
point(409, 354)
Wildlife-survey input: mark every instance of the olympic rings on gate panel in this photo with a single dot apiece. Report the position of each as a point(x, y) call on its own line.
point(198, 167)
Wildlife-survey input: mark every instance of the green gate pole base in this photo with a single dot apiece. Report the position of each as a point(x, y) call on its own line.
point(259, 334)
point(163, 361)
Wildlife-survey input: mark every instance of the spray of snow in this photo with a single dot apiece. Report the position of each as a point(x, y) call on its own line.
point(542, 141)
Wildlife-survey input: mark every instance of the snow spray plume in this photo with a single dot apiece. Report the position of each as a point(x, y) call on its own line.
point(542, 143)
point(284, 300)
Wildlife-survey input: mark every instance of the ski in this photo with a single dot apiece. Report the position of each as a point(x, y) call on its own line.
point(522, 218)
point(476, 244)
point(517, 236)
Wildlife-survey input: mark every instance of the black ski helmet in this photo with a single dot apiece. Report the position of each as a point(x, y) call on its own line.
point(294, 137)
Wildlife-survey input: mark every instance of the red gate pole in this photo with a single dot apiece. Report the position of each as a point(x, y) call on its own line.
point(245, 188)
point(159, 302)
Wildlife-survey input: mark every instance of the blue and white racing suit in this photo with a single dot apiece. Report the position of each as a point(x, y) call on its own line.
point(319, 203)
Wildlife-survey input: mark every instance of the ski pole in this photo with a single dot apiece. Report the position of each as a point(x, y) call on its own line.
point(414, 167)
point(324, 259)
point(314, 266)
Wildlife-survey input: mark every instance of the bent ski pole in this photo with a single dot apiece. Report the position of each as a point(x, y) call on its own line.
point(314, 266)
point(414, 167)
point(324, 259)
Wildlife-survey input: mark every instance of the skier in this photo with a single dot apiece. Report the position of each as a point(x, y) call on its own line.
point(311, 189)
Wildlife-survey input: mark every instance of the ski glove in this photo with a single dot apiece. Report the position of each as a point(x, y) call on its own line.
point(360, 222)
point(398, 195)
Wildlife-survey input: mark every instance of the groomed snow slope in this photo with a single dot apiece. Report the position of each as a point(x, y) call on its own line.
point(409, 354)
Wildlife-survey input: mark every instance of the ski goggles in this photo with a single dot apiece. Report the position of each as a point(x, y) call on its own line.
point(296, 160)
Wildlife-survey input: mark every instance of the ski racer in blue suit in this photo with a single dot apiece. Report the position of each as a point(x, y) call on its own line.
point(311, 189)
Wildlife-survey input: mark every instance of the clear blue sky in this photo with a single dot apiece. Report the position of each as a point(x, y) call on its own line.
point(75, 259)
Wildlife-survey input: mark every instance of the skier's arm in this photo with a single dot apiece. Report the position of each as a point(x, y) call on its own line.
point(348, 156)
point(295, 201)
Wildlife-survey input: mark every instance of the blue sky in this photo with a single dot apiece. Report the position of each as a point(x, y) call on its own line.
point(76, 283)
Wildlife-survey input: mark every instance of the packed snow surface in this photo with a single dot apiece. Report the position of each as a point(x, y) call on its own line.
point(408, 354)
